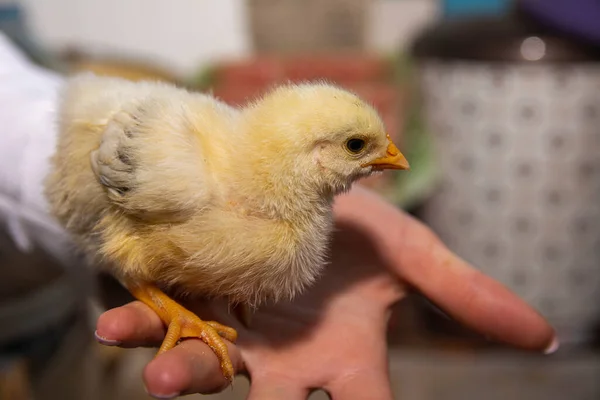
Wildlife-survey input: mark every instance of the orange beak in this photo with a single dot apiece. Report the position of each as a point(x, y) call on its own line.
point(392, 160)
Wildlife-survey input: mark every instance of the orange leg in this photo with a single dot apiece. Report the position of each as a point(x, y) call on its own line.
point(182, 323)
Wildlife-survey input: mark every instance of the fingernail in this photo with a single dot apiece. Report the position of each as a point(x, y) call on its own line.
point(105, 341)
point(553, 346)
point(162, 396)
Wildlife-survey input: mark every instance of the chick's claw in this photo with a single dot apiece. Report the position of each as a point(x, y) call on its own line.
point(187, 326)
point(183, 324)
point(225, 332)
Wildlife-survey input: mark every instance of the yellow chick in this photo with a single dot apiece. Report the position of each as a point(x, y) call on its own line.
point(173, 189)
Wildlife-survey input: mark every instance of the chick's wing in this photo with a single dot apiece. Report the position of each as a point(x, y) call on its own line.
point(150, 162)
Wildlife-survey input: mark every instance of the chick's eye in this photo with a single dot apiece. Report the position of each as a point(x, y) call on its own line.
point(355, 145)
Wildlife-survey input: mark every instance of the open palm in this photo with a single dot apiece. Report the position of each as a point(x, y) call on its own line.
point(333, 336)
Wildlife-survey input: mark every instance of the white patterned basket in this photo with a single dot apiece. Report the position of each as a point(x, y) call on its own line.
point(518, 146)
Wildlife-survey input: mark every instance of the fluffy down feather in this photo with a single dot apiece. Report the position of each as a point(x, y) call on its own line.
point(177, 188)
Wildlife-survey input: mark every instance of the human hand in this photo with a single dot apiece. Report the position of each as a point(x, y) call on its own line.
point(333, 336)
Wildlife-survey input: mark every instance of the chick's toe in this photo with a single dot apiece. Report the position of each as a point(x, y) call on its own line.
point(183, 324)
point(224, 331)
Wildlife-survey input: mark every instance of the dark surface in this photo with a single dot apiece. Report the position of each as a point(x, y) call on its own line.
point(24, 273)
point(578, 18)
point(486, 38)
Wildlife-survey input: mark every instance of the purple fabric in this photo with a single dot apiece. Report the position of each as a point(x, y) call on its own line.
point(577, 17)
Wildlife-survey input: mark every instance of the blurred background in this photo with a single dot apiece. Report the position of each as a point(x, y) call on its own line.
point(496, 103)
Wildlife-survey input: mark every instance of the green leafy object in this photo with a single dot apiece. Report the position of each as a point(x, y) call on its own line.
point(205, 79)
point(409, 188)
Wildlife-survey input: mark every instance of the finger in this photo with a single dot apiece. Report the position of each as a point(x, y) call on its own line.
point(190, 367)
point(274, 389)
point(373, 385)
point(467, 294)
point(131, 325)
point(419, 258)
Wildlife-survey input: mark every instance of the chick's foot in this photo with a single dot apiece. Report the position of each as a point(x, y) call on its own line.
point(182, 323)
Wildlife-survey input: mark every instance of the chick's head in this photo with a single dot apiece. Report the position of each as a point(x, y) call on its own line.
point(329, 136)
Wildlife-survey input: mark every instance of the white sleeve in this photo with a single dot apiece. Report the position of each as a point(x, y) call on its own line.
point(28, 104)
